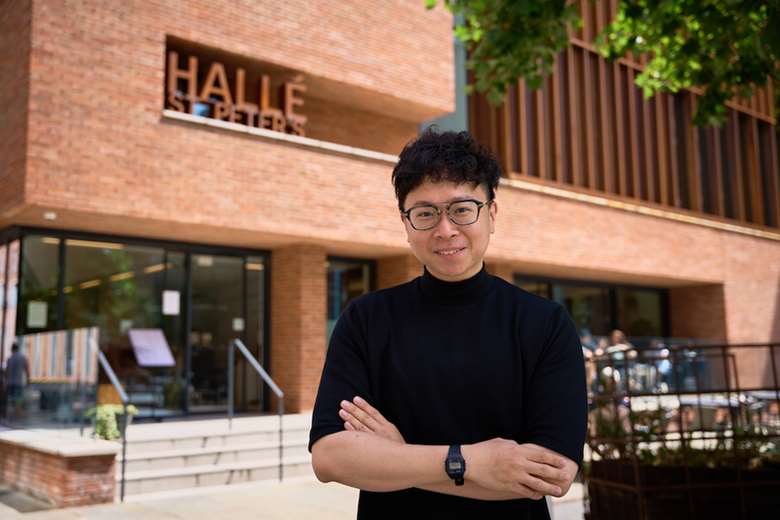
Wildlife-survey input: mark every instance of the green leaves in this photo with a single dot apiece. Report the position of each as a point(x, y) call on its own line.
point(722, 47)
point(509, 39)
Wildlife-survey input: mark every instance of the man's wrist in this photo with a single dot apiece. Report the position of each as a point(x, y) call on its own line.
point(455, 464)
point(467, 450)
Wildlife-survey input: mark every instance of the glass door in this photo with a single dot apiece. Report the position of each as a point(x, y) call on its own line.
point(218, 317)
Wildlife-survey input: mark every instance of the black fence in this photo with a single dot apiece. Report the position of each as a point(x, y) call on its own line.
point(684, 431)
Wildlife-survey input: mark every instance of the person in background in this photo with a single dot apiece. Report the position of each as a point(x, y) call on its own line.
point(17, 376)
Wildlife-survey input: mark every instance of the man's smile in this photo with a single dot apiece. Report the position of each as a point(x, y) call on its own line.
point(449, 251)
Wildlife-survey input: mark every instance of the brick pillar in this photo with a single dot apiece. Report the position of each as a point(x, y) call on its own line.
point(698, 312)
point(504, 271)
point(298, 323)
point(395, 270)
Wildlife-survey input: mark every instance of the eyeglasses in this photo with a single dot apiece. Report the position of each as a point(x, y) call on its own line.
point(460, 212)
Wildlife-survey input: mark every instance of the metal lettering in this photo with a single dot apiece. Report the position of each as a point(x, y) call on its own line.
point(216, 84)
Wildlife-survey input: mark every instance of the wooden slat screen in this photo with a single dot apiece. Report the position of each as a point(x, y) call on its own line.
point(590, 127)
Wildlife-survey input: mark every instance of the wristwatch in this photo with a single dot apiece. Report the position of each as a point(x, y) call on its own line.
point(455, 465)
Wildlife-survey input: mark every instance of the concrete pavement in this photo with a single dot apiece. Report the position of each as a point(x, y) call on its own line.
point(296, 499)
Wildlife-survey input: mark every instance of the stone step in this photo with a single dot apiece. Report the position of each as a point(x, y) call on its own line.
point(158, 480)
point(212, 433)
point(208, 439)
point(233, 452)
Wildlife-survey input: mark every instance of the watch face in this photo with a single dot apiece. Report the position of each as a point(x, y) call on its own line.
point(455, 465)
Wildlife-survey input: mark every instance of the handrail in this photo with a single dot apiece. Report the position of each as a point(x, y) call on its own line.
point(125, 402)
point(237, 343)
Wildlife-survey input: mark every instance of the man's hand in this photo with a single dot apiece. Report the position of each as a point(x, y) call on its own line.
point(570, 469)
point(523, 469)
point(358, 415)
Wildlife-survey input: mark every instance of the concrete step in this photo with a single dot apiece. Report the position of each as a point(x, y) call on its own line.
point(220, 454)
point(157, 480)
point(207, 440)
point(213, 433)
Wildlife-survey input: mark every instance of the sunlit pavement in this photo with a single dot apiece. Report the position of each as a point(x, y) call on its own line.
point(304, 499)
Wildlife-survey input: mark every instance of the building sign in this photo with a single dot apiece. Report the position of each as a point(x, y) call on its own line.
point(219, 97)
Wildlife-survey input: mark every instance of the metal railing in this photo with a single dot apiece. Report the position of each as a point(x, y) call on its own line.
point(668, 426)
point(125, 402)
point(238, 344)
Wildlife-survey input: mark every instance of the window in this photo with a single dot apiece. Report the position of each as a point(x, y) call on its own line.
point(347, 279)
point(600, 308)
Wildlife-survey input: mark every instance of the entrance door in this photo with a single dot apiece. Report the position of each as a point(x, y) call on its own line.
point(218, 317)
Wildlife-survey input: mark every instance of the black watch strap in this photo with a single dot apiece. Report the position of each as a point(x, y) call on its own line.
point(455, 465)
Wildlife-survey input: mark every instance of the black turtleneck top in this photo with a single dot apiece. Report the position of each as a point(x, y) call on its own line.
point(457, 363)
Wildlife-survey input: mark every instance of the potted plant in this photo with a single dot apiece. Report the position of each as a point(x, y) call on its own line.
point(105, 422)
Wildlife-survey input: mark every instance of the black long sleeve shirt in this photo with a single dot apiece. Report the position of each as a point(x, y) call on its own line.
point(457, 363)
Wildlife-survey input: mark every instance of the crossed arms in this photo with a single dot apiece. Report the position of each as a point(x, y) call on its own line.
point(372, 455)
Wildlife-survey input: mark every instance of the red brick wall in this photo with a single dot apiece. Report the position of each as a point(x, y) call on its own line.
point(14, 96)
point(62, 481)
point(100, 155)
point(395, 270)
point(698, 312)
point(502, 271)
point(298, 323)
point(544, 235)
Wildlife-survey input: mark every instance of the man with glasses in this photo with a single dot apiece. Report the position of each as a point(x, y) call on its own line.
point(455, 395)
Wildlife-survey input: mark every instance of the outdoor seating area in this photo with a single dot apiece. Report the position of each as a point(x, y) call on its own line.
point(703, 443)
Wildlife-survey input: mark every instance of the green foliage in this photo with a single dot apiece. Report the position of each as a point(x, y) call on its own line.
point(106, 425)
point(508, 39)
point(722, 47)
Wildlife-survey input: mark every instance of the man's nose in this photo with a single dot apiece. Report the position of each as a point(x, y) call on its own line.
point(445, 228)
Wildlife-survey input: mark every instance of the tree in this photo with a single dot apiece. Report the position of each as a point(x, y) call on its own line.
point(723, 48)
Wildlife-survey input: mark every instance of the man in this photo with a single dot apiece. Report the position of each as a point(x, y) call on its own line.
point(456, 395)
point(17, 375)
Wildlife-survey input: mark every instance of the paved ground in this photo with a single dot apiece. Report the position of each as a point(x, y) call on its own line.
point(303, 499)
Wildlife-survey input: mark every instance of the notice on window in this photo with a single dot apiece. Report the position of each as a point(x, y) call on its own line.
point(36, 315)
point(150, 347)
point(170, 303)
point(238, 324)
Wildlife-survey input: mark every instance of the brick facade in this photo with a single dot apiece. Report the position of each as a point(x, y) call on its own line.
point(98, 150)
point(298, 322)
point(698, 311)
point(63, 481)
point(15, 29)
point(395, 270)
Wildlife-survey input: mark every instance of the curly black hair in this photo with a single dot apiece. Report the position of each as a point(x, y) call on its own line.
point(444, 156)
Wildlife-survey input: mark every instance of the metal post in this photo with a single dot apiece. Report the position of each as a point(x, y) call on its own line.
point(281, 443)
point(231, 376)
point(124, 451)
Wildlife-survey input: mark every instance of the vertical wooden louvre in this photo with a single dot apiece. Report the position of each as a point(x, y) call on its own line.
point(589, 126)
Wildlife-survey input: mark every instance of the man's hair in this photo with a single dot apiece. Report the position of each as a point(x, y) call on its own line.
point(444, 156)
point(14, 346)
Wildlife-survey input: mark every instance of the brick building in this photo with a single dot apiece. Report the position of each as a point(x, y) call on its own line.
point(222, 171)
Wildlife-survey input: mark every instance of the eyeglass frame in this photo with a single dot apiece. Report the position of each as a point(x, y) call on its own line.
point(480, 205)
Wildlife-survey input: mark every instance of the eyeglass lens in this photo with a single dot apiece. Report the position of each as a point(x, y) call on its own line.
point(461, 213)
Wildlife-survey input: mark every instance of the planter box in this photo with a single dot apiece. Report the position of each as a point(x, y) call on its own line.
point(667, 494)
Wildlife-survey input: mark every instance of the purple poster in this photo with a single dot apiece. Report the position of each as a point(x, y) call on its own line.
point(151, 348)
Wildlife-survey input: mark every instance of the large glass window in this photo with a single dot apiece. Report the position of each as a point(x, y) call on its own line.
point(120, 291)
point(119, 288)
point(600, 308)
point(640, 312)
point(347, 279)
point(589, 307)
point(252, 390)
point(11, 291)
point(39, 293)
point(3, 264)
point(217, 319)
